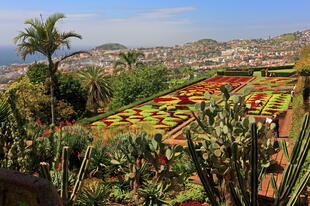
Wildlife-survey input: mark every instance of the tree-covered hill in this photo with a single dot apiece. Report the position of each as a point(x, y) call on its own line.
point(111, 46)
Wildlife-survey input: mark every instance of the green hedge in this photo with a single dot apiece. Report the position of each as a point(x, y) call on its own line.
point(235, 73)
point(278, 74)
point(272, 67)
point(112, 112)
point(263, 68)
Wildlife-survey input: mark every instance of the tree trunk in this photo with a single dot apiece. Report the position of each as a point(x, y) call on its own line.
point(52, 87)
point(52, 102)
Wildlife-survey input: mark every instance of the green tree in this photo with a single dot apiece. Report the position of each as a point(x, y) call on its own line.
point(98, 91)
point(129, 60)
point(31, 100)
point(302, 66)
point(137, 84)
point(37, 72)
point(71, 90)
point(43, 37)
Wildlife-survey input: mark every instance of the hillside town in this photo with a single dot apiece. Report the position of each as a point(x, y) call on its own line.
point(200, 55)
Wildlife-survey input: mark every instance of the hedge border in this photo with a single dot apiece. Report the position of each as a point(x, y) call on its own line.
point(290, 66)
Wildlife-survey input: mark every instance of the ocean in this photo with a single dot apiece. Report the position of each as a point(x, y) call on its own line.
point(8, 55)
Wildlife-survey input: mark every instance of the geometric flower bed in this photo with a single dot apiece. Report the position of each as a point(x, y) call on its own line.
point(250, 101)
point(275, 84)
point(277, 103)
point(166, 112)
point(270, 103)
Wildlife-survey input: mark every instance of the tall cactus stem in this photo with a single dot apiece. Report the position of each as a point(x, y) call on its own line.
point(81, 173)
point(44, 170)
point(254, 161)
point(200, 173)
point(65, 170)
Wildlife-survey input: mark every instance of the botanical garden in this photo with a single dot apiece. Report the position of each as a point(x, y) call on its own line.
point(149, 135)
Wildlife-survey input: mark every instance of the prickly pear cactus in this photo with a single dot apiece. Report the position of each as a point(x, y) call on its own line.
point(221, 126)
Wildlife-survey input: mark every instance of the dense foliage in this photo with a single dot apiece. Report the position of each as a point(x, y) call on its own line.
point(303, 64)
point(71, 91)
point(136, 84)
point(37, 72)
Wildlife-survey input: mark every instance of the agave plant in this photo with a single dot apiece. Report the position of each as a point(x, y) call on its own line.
point(95, 194)
point(153, 194)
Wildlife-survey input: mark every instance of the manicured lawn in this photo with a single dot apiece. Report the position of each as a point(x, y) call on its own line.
point(257, 74)
point(283, 70)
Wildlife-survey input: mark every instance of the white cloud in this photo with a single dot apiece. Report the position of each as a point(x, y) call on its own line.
point(149, 27)
point(82, 15)
point(164, 12)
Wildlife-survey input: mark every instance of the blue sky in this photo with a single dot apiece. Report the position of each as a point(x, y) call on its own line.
point(138, 23)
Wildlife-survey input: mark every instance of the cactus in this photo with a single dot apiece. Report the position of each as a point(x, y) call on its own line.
point(82, 172)
point(65, 169)
point(204, 180)
point(222, 157)
point(285, 193)
point(64, 184)
point(138, 149)
point(244, 198)
point(44, 170)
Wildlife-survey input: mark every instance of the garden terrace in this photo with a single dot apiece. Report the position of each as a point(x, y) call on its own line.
point(164, 113)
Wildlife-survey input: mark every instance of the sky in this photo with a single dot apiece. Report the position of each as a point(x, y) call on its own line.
point(148, 23)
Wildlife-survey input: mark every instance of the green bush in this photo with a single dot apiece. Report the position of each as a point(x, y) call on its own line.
point(235, 73)
point(71, 90)
point(192, 192)
point(37, 72)
point(137, 84)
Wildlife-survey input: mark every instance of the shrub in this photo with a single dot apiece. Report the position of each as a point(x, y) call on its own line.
point(137, 84)
point(192, 192)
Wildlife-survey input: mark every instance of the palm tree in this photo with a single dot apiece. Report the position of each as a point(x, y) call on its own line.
point(127, 61)
point(4, 111)
point(99, 92)
point(43, 37)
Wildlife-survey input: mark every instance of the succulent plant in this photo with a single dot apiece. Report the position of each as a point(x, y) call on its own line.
point(227, 141)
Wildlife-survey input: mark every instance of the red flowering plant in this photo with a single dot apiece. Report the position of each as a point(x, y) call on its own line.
point(191, 203)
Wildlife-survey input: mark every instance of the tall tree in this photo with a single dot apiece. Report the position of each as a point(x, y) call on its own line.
point(99, 92)
point(128, 60)
point(43, 37)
